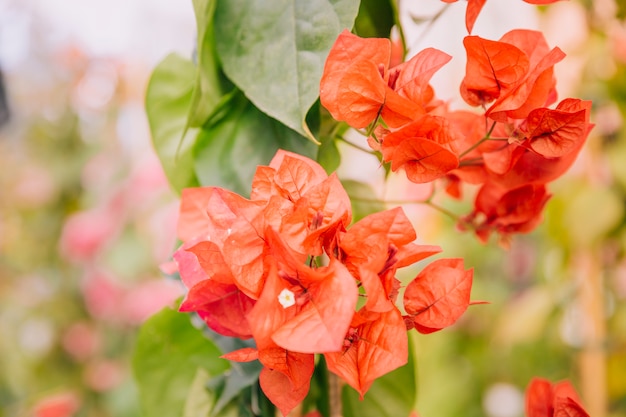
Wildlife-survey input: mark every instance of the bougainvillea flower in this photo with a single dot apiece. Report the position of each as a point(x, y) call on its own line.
point(424, 148)
point(516, 72)
point(375, 344)
point(357, 85)
point(544, 399)
point(438, 295)
point(507, 211)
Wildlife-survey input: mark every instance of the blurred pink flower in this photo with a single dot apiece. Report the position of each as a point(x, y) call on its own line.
point(64, 404)
point(85, 233)
point(111, 301)
point(102, 296)
point(104, 374)
point(81, 340)
point(617, 41)
point(149, 297)
point(34, 187)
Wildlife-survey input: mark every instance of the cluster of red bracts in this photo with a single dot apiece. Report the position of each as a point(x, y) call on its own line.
point(286, 268)
point(511, 149)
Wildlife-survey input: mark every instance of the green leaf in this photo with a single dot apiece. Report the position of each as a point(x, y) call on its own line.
point(210, 83)
point(170, 356)
point(363, 199)
point(275, 50)
point(375, 19)
point(199, 401)
point(392, 395)
point(168, 100)
point(239, 138)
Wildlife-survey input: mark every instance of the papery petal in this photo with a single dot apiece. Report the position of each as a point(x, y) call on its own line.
point(492, 67)
point(281, 391)
point(440, 294)
point(423, 160)
point(222, 306)
point(321, 324)
point(415, 74)
point(348, 49)
point(242, 355)
point(555, 133)
point(471, 14)
point(380, 346)
point(539, 398)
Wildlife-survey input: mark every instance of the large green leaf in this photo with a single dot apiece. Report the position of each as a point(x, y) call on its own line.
point(210, 84)
point(392, 395)
point(239, 138)
point(375, 19)
point(170, 358)
point(274, 50)
point(168, 99)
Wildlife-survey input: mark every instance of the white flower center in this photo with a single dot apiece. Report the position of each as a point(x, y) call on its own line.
point(286, 298)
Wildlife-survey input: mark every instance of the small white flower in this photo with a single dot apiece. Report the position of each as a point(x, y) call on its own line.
point(286, 298)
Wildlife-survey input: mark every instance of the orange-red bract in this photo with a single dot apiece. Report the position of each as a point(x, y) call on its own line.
point(506, 211)
point(423, 148)
point(555, 133)
point(492, 67)
point(223, 307)
point(375, 247)
point(375, 344)
point(357, 85)
point(544, 399)
point(439, 295)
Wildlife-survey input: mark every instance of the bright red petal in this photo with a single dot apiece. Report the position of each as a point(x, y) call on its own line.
point(440, 294)
point(222, 306)
point(415, 74)
point(281, 391)
point(539, 398)
point(492, 67)
point(471, 14)
point(242, 355)
point(375, 346)
point(321, 324)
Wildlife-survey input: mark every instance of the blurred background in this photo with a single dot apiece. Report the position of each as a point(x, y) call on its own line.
point(87, 216)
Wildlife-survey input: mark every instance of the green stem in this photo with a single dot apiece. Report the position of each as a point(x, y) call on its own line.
point(396, 17)
point(478, 143)
point(354, 145)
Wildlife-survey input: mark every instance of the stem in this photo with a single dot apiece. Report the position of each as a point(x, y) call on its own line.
point(400, 202)
point(334, 391)
point(354, 145)
point(396, 17)
point(477, 144)
point(443, 210)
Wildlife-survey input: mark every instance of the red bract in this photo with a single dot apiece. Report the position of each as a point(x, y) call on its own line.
point(438, 296)
point(321, 301)
point(424, 148)
point(375, 247)
point(375, 344)
point(357, 85)
point(555, 133)
point(233, 223)
point(506, 211)
point(516, 72)
point(544, 399)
